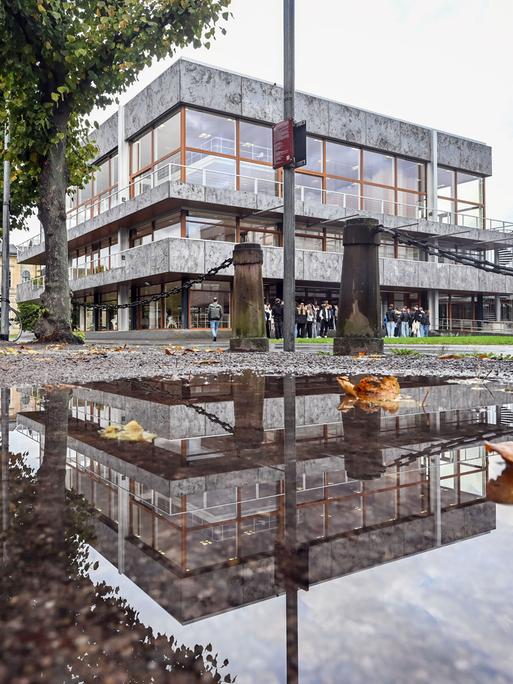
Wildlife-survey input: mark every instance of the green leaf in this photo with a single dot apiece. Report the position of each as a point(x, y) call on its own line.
point(55, 97)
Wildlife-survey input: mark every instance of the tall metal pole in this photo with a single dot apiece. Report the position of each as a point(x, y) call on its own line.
point(4, 323)
point(289, 227)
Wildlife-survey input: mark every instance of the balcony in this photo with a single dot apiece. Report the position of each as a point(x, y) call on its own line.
point(174, 256)
point(191, 176)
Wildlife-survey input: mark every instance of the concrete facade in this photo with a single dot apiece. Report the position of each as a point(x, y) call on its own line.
point(190, 84)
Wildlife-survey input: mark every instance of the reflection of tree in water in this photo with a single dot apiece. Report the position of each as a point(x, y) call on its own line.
point(56, 625)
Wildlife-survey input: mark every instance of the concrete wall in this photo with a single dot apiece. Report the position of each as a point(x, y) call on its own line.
point(174, 256)
point(200, 85)
point(106, 136)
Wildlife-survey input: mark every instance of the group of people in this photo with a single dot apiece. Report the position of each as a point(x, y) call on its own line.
point(312, 320)
point(407, 322)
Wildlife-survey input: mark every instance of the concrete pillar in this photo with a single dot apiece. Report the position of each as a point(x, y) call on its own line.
point(432, 179)
point(248, 407)
point(124, 314)
point(359, 327)
point(498, 311)
point(123, 520)
point(434, 306)
point(123, 239)
point(368, 463)
point(433, 258)
point(123, 157)
point(248, 320)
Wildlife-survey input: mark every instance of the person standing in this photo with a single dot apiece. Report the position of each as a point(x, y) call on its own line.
point(214, 315)
point(325, 318)
point(277, 313)
point(268, 316)
point(390, 320)
point(404, 319)
point(301, 319)
point(426, 323)
point(310, 320)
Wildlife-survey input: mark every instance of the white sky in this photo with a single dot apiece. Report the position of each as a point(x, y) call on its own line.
point(441, 63)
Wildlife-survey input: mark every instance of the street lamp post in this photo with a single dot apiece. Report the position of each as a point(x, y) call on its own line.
point(289, 238)
point(4, 300)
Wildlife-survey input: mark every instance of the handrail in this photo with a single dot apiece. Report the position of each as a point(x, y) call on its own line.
point(198, 175)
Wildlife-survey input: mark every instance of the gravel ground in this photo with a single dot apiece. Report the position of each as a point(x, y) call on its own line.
point(31, 366)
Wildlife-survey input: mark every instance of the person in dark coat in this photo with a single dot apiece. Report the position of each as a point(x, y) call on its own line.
point(277, 311)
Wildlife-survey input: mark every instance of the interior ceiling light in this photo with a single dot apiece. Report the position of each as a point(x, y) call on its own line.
point(204, 135)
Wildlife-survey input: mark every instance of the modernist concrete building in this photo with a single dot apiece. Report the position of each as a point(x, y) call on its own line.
point(185, 171)
point(200, 525)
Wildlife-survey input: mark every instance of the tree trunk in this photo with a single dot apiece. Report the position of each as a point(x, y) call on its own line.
point(55, 324)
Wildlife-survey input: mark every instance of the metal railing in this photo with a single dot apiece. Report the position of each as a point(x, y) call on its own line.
point(468, 325)
point(201, 175)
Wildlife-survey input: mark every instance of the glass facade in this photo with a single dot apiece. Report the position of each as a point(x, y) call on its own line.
point(461, 198)
point(97, 195)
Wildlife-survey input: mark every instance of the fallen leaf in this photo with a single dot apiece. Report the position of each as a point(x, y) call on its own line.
point(500, 490)
point(347, 386)
point(131, 432)
point(504, 449)
point(447, 357)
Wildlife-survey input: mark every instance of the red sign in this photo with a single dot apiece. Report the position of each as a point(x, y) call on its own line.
point(283, 143)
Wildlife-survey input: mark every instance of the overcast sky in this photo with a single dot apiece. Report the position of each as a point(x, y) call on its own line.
point(442, 63)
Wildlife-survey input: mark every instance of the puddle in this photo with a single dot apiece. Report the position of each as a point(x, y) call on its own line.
point(263, 534)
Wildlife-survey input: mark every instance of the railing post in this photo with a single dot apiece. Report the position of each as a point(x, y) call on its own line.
point(359, 326)
point(248, 318)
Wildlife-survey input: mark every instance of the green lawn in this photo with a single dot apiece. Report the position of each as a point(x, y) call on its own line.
point(455, 339)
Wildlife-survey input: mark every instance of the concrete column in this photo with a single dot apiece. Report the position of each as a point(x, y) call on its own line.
point(248, 320)
point(436, 497)
point(498, 312)
point(123, 314)
point(248, 407)
point(123, 239)
point(123, 157)
point(123, 518)
point(432, 257)
point(433, 306)
point(359, 327)
point(432, 179)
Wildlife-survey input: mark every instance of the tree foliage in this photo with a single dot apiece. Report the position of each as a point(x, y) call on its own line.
point(70, 56)
point(59, 59)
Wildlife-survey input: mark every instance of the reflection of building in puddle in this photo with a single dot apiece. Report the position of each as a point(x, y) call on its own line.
point(196, 519)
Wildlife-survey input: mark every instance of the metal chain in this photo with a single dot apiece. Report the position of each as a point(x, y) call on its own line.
point(456, 443)
point(464, 259)
point(160, 295)
point(211, 417)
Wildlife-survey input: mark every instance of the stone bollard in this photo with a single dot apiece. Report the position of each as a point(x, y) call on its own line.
point(248, 319)
point(359, 326)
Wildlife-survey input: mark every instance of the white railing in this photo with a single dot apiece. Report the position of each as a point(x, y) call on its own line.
point(468, 325)
point(200, 175)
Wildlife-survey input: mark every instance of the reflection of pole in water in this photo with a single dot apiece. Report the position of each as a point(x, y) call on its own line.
point(248, 408)
point(363, 444)
point(290, 536)
point(5, 400)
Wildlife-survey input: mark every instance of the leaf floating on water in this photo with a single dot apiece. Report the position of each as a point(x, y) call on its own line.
point(370, 394)
point(131, 432)
point(504, 449)
point(378, 388)
point(500, 490)
point(347, 386)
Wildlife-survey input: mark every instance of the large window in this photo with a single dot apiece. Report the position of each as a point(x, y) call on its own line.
point(97, 196)
point(352, 178)
point(155, 156)
point(204, 226)
point(460, 198)
point(201, 296)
